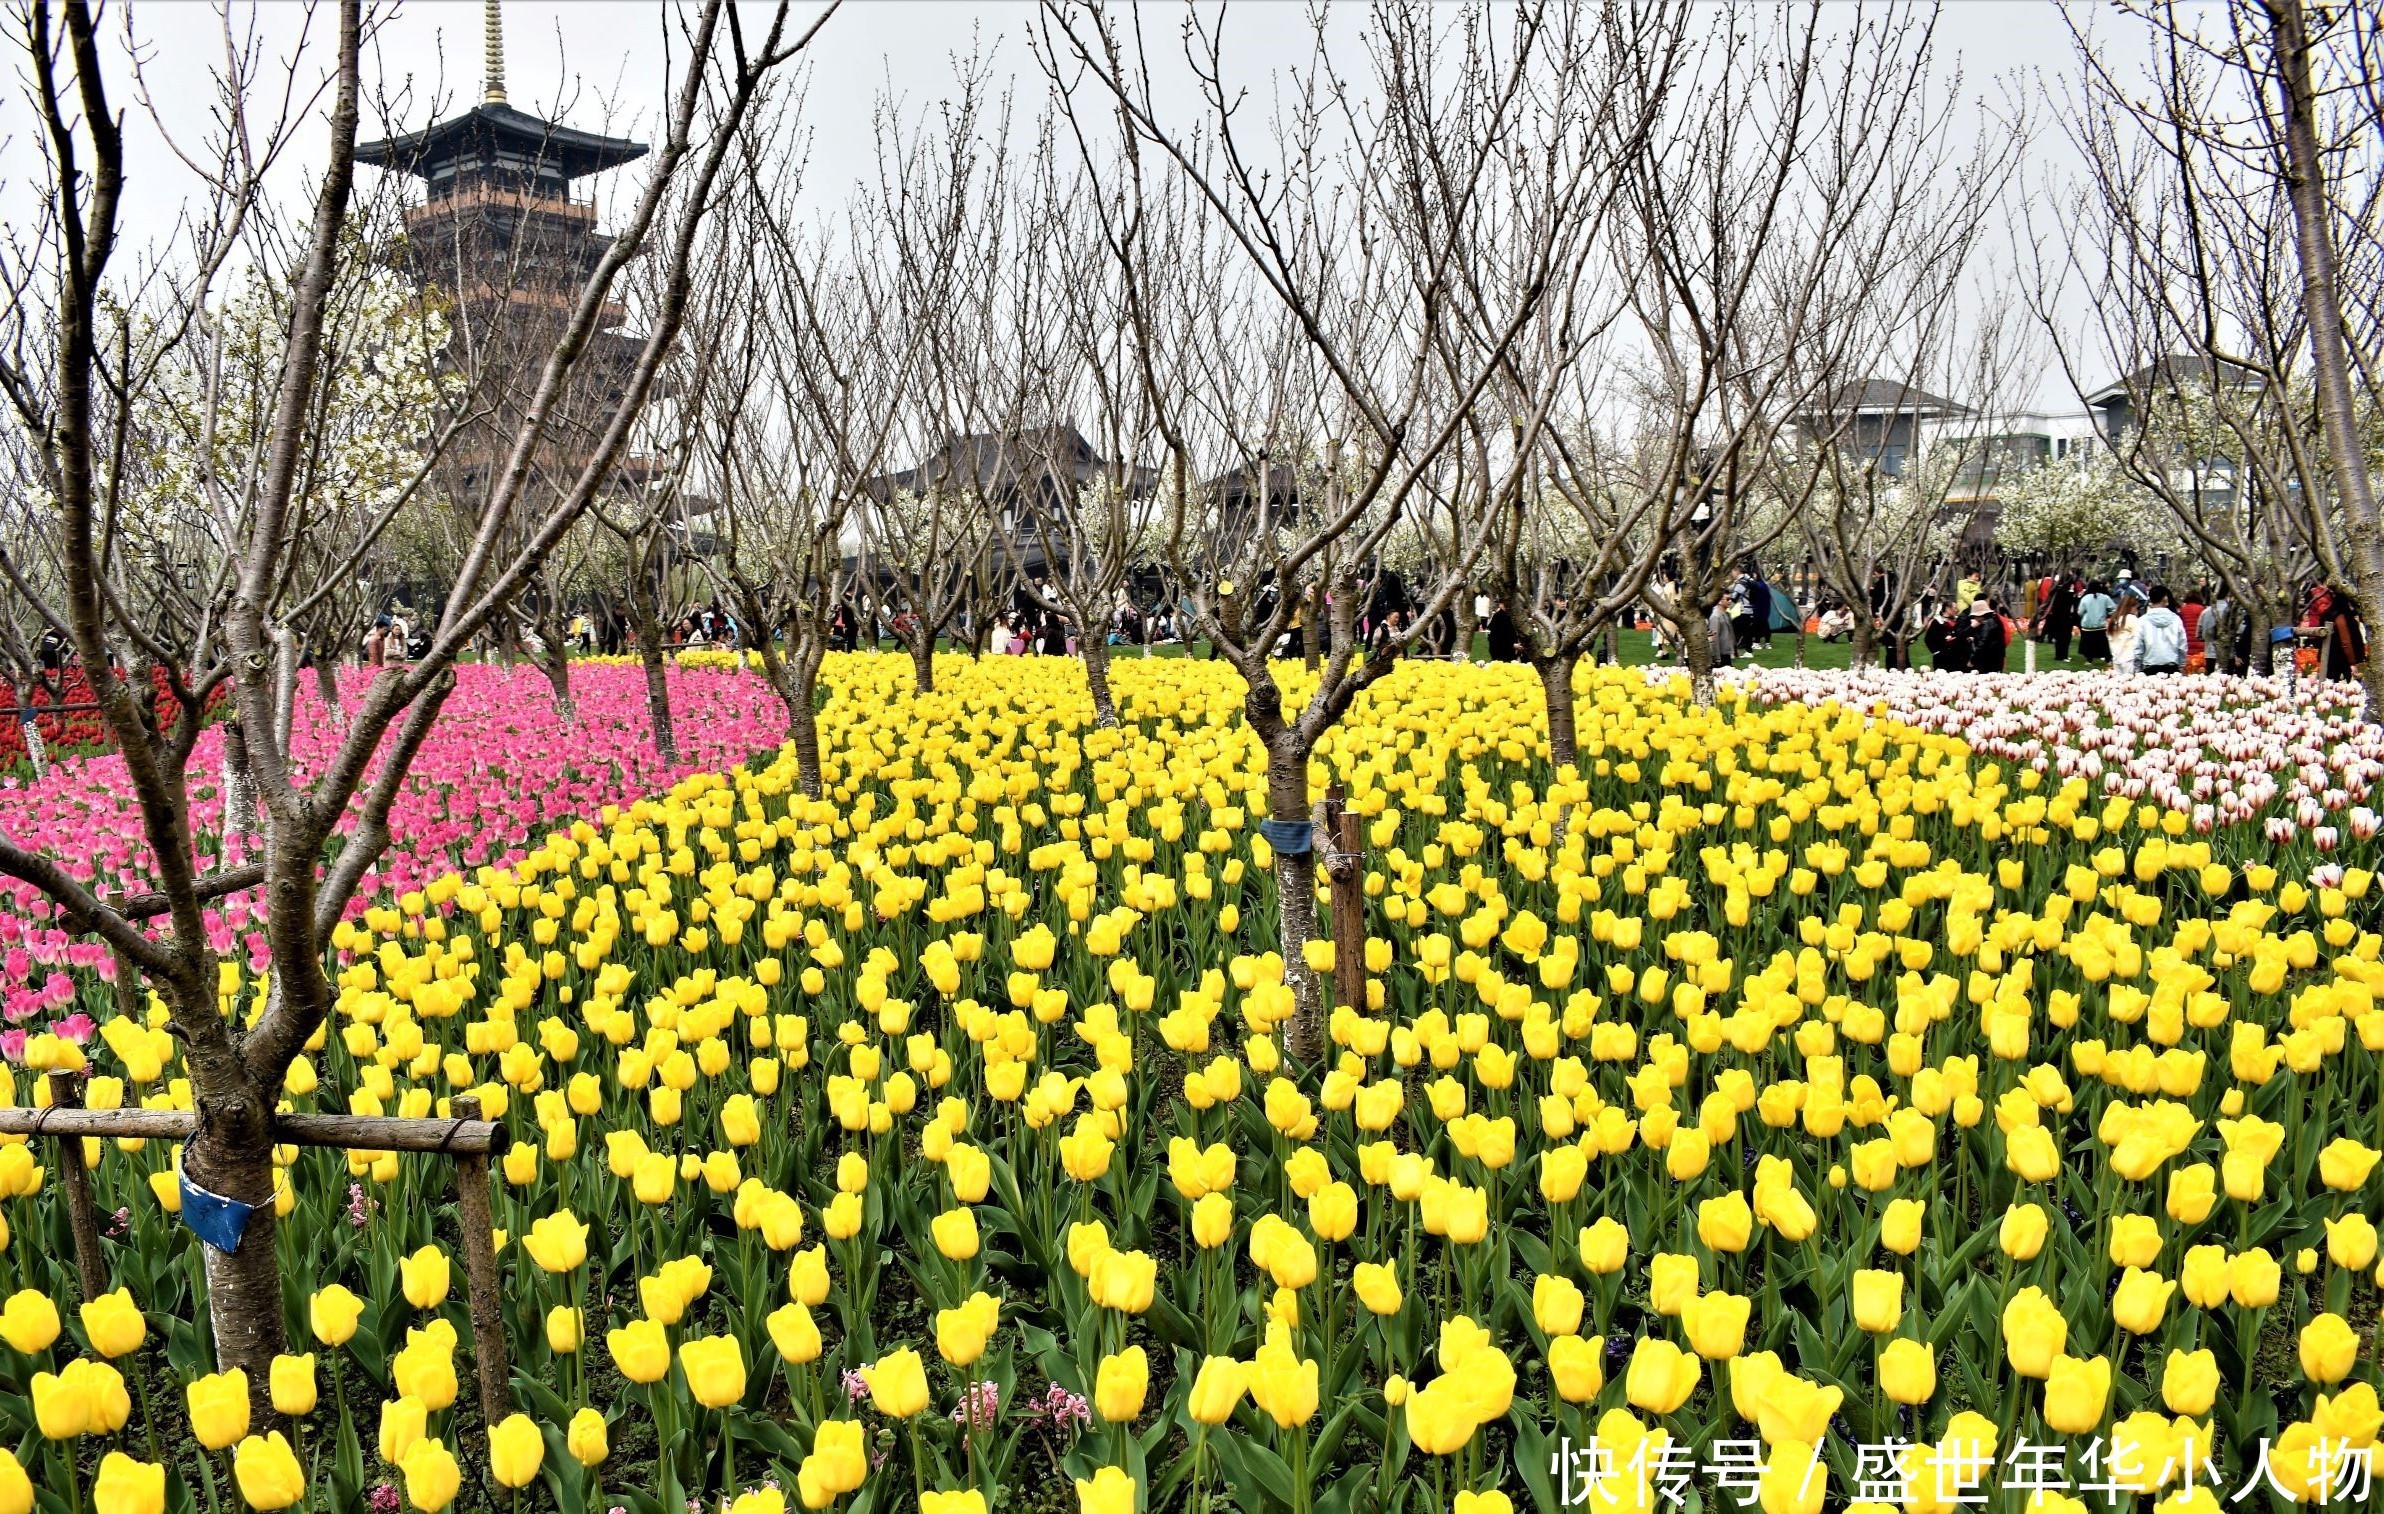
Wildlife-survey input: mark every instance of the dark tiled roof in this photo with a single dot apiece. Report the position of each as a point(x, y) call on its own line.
point(2180, 371)
point(566, 150)
point(1891, 396)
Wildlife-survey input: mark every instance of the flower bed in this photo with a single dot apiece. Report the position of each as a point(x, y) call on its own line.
point(1784, 1081)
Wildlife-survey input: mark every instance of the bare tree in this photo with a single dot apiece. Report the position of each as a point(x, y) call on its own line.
point(825, 360)
point(70, 316)
point(2189, 296)
point(1917, 419)
point(1326, 293)
point(1087, 518)
point(1798, 166)
point(941, 206)
point(2215, 192)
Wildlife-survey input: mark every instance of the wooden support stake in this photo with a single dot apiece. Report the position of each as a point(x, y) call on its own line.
point(1345, 866)
point(66, 1092)
point(340, 1132)
point(489, 1350)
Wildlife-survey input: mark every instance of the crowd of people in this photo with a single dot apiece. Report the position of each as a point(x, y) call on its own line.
point(2121, 622)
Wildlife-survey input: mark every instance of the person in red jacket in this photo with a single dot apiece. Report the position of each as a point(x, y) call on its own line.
point(2196, 655)
point(2344, 648)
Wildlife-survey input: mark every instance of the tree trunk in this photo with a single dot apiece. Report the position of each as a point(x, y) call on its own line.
point(556, 664)
point(239, 789)
point(327, 688)
point(1095, 651)
point(1465, 627)
point(1556, 682)
point(231, 1154)
point(658, 703)
point(2330, 364)
point(37, 751)
point(800, 692)
point(285, 688)
point(1862, 646)
point(1295, 901)
point(1696, 654)
point(1312, 629)
point(922, 650)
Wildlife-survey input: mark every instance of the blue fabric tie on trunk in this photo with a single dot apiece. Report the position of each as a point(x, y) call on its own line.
point(218, 1221)
point(1292, 836)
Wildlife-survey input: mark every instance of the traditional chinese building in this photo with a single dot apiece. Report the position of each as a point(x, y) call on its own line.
point(501, 236)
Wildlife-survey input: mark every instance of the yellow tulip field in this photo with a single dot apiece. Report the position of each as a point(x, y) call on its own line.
point(1786, 1105)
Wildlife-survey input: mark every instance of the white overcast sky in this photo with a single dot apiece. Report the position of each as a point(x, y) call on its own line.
point(604, 63)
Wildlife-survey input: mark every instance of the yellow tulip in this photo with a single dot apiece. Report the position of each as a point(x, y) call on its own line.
point(425, 1370)
point(113, 1324)
point(2142, 1301)
point(2343, 1164)
point(2034, 1332)
point(29, 1321)
point(218, 1408)
point(1725, 1223)
point(1795, 1480)
point(432, 1477)
point(403, 1422)
point(2075, 1393)
point(126, 1486)
point(2190, 1382)
point(2022, 1233)
point(1377, 1287)
point(1908, 1372)
point(2135, 1240)
point(2254, 1278)
point(796, 1334)
point(1900, 1226)
point(292, 1381)
point(424, 1277)
point(557, 1242)
point(715, 1368)
point(955, 1233)
point(1333, 1211)
point(1108, 1491)
point(1672, 1281)
point(807, 1280)
point(2351, 1242)
point(2329, 1348)
point(1577, 1366)
point(1605, 1246)
point(516, 1450)
point(1556, 1303)
point(1216, 1388)
point(1283, 1385)
point(332, 1313)
point(1120, 1385)
point(1661, 1376)
point(267, 1472)
point(1716, 1324)
point(838, 1462)
point(588, 1439)
point(897, 1384)
point(1878, 1300)
point(640, 1350)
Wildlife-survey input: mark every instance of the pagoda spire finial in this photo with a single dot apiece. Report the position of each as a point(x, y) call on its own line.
point(493, 56)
